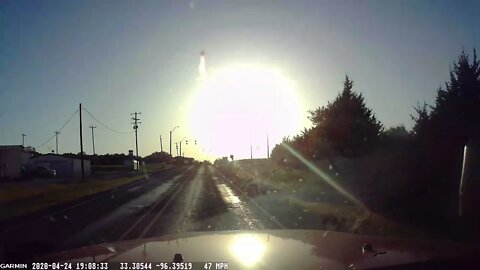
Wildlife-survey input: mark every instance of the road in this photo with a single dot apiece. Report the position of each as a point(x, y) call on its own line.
point(189, 198)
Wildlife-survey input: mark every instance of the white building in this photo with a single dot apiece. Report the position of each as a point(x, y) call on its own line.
point(65, 167)
point(12, 159)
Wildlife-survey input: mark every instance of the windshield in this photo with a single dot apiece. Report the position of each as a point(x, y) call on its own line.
point(126, 120)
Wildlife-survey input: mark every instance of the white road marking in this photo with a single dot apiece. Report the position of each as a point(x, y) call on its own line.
point(126, 209)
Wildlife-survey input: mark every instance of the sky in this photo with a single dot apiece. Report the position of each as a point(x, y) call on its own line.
point(120, 57)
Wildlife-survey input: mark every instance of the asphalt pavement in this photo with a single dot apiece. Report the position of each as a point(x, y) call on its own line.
point(177, 200)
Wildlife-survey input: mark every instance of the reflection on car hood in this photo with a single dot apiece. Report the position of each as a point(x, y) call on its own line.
point(276, 249)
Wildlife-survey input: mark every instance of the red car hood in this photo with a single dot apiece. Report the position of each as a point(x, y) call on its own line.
point(276, 249)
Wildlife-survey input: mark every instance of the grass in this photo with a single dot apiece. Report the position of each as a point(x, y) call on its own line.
point(355, 219)
point(55, 194)
point(302, 200)
point(295, 213)
point(18, 192)
point(22, 198)
point(22, 191)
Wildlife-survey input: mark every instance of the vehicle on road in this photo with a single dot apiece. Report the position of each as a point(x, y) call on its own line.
point(45, 172)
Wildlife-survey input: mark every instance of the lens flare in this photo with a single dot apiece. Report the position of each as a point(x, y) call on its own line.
point(323, 176)
point(248, 249)
point(236, 106)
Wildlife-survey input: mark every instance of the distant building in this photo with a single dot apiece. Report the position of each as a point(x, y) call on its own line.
point(65, 167)
point(13, 158)
point(130, 163)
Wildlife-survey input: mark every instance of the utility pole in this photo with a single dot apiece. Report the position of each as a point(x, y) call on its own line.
point(81, 142)
point(170, 142)
point(135, 127)
point(251, 152)
point(56, 141)
point(171, 131)
point(181, 145)
point(93, 138)
point(23, 138)
point(161, 144)
point(268, 147)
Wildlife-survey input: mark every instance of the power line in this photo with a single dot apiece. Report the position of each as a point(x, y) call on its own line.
point(63, 126)
point(47, 141)
point(68, 121)
point(105, 126)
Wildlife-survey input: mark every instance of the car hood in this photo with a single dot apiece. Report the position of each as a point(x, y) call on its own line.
point(275, 249)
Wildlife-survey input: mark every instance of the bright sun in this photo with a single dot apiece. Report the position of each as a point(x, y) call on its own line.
point(235, 108)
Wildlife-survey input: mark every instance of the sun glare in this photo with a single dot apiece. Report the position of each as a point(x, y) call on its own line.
point(248, 249)
point(236, 107)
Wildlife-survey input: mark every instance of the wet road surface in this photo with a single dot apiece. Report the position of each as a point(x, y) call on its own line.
point(190, 198)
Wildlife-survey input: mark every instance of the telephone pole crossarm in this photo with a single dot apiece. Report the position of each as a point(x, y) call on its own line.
point(135, 123)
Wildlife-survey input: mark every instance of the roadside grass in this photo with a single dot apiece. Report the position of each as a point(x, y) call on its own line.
point(154, 167)
point(301, 200)
point(294, 213)
point(355, 219)
point(23, 198)
point(266, 173)
point(54, 194)
point(18, 192)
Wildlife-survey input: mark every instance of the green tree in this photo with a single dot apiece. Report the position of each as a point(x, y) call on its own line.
point(397, 132)
point(158, 157)
point(454, 117)
point(347, 124)
point(281, 155)
point(457, 107)
point(441, 130)
point(422, 119)
point(223, 161)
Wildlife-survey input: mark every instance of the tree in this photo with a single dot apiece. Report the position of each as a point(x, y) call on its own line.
point(397, 132)
point(280, 154)
point(454, 118)
point(441, 130)
point(107, 159)
point(29, 149)
point(457, 107)
point(423, 123)
point(346, 123)
point(158, 157)
point(223, 161)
